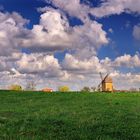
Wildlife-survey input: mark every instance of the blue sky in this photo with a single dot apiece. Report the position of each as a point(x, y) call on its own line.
point(122, 38)
point(28, 9)
point(81, 32)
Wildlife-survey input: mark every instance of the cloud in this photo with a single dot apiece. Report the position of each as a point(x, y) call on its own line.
point(39, 64)
point(136, 32)
point(13, 71)
point(80, 65)
point(110, 7)
point(47, 70)
point(127, 61)
point(7, 62)
point(55, 34)
point(85, 66)
point(124, 61)
point(111, 30)
point(51, 34)
point(11, 29)
point(106, 8)
point(127, 80)
point(73, 7)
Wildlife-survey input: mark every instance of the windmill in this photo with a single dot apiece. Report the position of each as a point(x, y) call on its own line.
point(106, 83)
point(100, 85)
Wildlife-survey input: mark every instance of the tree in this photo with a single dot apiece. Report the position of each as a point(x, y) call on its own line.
point(132, 89)
point(93, 89)
point(85, 89)
point(31, 86)
point(63, 89)
point(15, 87)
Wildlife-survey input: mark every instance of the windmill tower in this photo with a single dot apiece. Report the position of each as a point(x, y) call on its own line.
point(106, 84)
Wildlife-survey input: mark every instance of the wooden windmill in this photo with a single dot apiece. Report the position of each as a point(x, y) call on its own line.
point(106, 84)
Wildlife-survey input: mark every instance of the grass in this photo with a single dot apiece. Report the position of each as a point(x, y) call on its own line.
point(69, 116)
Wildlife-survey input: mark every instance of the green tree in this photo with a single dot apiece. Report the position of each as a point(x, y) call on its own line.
point(64, 89)
point(85, 89)
point(93, 89)
point(15, 87)
point(31, 86)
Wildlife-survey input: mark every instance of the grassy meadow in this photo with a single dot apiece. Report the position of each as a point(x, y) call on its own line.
point(69, 116)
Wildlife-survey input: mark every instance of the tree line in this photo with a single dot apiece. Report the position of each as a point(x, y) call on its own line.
point(31, 86)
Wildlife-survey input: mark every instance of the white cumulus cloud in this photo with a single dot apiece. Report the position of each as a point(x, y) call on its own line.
point(54, 33)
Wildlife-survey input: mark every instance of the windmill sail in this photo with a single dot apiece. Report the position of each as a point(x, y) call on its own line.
point(106, 83)
point(101, 76)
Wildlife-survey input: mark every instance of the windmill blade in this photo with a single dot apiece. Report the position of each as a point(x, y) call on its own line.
point(106, 76)
point(100, 86)
point(101, 76)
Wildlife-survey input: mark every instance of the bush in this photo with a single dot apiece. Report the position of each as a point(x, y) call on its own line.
point(15, 87)
point(64, 89)
point(85, 89)
point(31, 86)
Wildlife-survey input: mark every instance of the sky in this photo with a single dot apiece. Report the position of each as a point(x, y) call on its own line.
point(63, 42)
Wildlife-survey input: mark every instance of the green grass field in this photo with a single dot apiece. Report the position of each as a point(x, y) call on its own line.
point(69, 116)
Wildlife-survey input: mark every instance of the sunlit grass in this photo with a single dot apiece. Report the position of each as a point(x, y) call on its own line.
point(69, 116)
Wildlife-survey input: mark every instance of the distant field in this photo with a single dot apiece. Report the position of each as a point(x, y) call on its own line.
point(69, 116)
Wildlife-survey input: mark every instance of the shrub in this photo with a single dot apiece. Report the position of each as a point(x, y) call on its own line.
point(85, 89)
point(15, 87)
point(64, 89)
